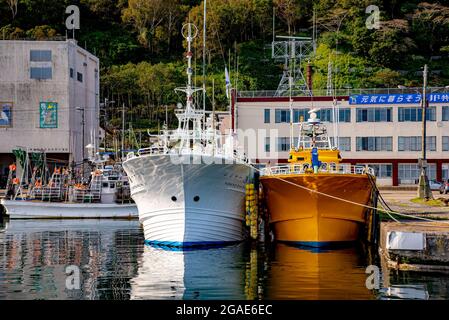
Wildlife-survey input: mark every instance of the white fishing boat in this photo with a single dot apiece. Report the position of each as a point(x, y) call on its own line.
point(102, 198)
point(189, 187)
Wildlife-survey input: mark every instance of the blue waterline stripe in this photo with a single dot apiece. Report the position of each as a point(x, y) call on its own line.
point(320, 244)
point(172, 245)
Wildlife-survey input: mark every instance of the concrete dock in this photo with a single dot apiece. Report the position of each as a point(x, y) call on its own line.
point(415, 246)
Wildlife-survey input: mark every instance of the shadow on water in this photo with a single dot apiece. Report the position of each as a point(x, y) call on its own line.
point(115, 264)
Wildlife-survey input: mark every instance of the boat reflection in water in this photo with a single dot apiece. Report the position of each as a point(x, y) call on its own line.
point(196, 274)
point(34, 255)
point(303, 273)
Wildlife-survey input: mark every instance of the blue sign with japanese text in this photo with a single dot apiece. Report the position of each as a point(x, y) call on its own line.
point(402, 98)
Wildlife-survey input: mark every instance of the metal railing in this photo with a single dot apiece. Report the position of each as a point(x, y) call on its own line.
point(337, 92)
point(324, 168)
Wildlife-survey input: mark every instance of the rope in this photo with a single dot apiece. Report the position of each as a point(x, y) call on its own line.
point(387, 211)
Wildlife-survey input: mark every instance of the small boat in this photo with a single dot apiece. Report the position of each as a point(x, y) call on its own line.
point(316, 200)
point(104, 197)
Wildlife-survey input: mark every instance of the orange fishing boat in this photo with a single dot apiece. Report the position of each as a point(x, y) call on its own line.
point(316, 200)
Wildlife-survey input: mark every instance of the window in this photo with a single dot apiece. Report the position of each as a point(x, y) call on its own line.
point(325, 115)
point(344, 143)
point(79, 76)
point(374, 115)
point(267, 116)
point(408, 173)
point(267, 144)
point(283, 144)
point(445, 170)
point(446, 143)
point(381, 170)
point(72, 73)
point(445, 113)
point(414, 143)
point(40, 55)
point(282, 116)
point(300, 115)
point(374, 143)
point(344, 115)
point(40, 73)
point(415, 114)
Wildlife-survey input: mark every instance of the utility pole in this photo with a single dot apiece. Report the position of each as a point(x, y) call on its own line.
point(424, 191)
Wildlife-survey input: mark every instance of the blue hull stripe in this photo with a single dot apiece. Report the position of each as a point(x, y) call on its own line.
point(199, 244)
point(320, 244)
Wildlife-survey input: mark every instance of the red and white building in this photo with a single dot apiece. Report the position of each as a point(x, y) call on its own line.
point(382, 130)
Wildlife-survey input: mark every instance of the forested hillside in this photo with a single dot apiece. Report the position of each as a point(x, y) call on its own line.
point(141, 48)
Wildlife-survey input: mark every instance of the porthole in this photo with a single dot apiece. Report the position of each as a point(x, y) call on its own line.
point(196, 199)
point(173, 199)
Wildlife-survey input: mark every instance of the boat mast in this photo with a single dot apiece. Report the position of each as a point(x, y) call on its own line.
point(204, 61)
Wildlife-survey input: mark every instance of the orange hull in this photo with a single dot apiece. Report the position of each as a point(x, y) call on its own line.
point(302, 216)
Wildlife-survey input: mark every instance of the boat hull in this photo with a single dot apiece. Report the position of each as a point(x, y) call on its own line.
point(193, 202)
point(22, 209)
point(307, 218)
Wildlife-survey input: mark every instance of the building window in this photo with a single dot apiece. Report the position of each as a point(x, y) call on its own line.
point(344, 143)
point(79, 76)
point(300, 115)
point(267, 144)
point(381, 170)
point(282, 116)
point(325, 115)
point(408, 173)
point(374, 143)
point(415, 114)
point(267, 116)
point(446, 143)
point(414, 143)
point(445, 113)
point(41, 73)
point(374, 114)
point(344, 115)
point(40, 55)
point(445, 171)
point(283, 144)
point(72, 73)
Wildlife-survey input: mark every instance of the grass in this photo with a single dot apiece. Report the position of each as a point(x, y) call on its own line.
point(432, 203)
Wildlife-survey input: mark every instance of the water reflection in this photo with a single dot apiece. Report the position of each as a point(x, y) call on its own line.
point(115, 264)
point(298, 273)
point(213, 273)
point(34, 256)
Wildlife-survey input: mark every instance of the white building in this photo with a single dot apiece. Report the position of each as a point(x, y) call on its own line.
point(382, 130)
point(45, 89)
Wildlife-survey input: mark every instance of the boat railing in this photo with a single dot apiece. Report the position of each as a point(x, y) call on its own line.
point(302, 168)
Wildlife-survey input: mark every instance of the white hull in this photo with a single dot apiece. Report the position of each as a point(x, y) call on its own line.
point(188, 204)
point(20, 209)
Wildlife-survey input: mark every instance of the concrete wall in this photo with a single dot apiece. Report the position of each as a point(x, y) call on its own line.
point(25, 93)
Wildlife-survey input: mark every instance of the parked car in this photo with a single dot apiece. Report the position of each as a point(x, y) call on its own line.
point(445, 187)
point(435, 185)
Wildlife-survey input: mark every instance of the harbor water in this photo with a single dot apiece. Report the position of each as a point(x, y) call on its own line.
point(38, 259)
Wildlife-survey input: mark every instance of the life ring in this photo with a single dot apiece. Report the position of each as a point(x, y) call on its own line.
point(12, 167)
point(15, 181)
